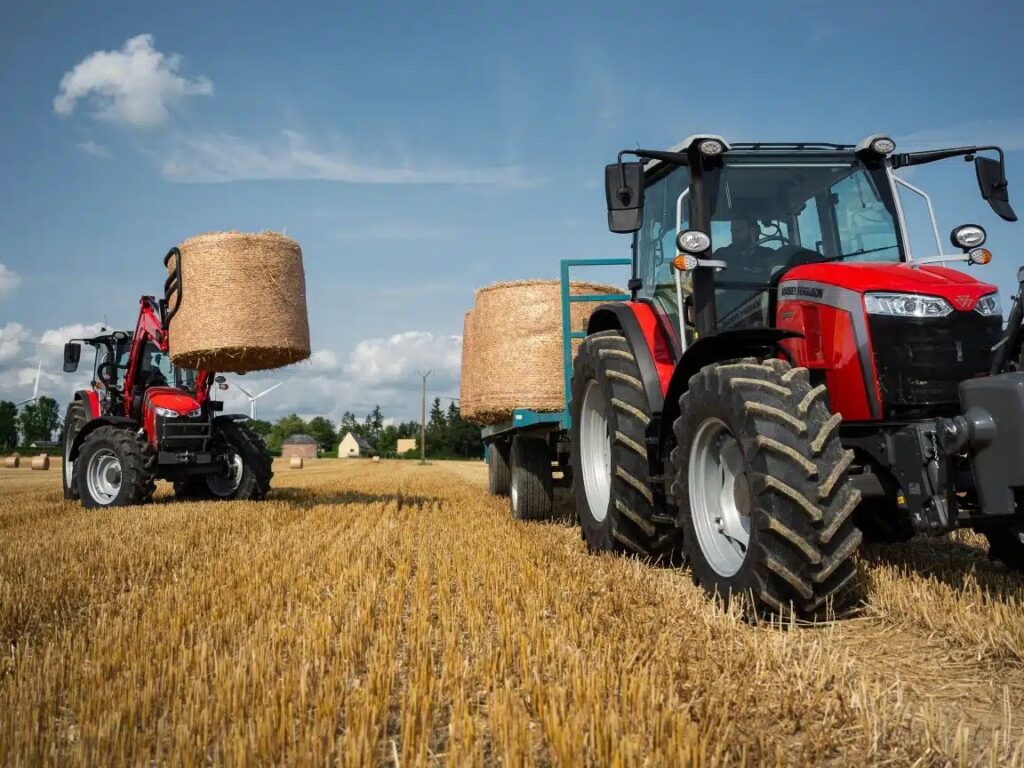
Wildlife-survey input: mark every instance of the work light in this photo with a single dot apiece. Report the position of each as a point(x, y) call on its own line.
point(692, 241)
point(711, 147)
point(968, 236)
point(883, 145)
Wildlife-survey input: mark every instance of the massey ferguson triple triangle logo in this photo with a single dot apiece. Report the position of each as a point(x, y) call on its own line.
point(963, 302)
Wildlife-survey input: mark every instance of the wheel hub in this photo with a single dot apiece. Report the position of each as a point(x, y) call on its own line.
point(226, 483)
point(103, 476)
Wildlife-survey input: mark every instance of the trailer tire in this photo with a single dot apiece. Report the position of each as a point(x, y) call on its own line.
point(498, 476)
point(74, 420)
point(115, 468)
point(758, 449)
point(610, 414)
point(531, 491)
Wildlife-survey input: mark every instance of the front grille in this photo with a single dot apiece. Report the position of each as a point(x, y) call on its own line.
point(921, 361)
point(177, 435)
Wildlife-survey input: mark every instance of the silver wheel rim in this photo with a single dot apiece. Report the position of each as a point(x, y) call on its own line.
point(103, 476)
point(595, 450)
point(720, 501)
point(513, 491)
point(226, 484)
point(69, 465)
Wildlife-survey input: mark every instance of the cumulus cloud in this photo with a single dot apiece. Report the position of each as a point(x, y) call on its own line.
point(22, 351)
point(224, 157)
point(137, 85)
point(9, 280)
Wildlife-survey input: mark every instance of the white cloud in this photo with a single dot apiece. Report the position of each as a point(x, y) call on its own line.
point(9, 280)
point(224, 157)
point(1007, 133)
point(21, 352)
point(94, 149)
point(137, 85)
point(13, 338)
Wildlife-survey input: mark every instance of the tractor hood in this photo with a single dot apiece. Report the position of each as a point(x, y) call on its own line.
point(173, 399)
point(962, 291)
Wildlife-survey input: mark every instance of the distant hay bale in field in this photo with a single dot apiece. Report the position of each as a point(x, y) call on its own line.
point(41, 462)
point(243, 302)
point(514, 358)
point(12, 462)
point(296, 462)
point(467, 397)
point(376, 459)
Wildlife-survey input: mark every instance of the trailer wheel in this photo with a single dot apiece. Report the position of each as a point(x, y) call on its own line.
point(764, 498)
point(74, 420)
point(610, 415)
point(531, 491)
point(1006, 545)
point(248, 470)
point(115, 468)
point(498, 478)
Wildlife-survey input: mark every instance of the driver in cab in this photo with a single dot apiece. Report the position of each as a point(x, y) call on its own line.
point(743, 252)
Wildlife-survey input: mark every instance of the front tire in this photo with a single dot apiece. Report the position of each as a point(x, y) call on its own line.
point(764, 498)
point(247, 464)
point(115, 468)
point(74, 420)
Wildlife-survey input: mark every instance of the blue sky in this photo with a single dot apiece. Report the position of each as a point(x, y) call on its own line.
point(419, 151)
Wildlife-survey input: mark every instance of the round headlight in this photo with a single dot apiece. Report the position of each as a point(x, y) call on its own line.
point(692, 241)
point(883, 145)
point(968, 236)
point(710, 147)
point(979, 256)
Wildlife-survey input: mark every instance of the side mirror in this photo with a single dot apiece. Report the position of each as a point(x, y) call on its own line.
point(624, 191)
point(993, 186)
point(72, 354)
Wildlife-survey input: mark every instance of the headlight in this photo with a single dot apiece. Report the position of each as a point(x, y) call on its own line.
point(989, 305)
point(906, 305)
point(195, 414)
point(165, 412)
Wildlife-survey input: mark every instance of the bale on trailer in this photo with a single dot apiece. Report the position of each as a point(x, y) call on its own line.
point(41, 462)
point(238, 302)
point(514, 358)
point(12, 462)
point(295, 463)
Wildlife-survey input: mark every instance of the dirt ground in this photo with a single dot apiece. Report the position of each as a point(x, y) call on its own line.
point(395, 614)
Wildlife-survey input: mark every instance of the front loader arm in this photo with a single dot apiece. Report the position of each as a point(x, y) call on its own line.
point(148, 328)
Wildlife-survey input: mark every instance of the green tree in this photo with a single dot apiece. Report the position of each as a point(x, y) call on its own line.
point(8, 425)
point(39, 420)
point(373, 427)
point(285, 427)
point(260, 427)
point(323, 430)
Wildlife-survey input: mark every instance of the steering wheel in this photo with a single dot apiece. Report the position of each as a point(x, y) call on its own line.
point(107, 373)
point(771, 237)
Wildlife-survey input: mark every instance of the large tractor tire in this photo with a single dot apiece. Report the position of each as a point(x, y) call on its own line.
point(610, 414)
point(760, 478)
point(531, 490)
point(115, 468)
point(74, 420)
point(1006, 544)
point(498, 476)
point(249, 469)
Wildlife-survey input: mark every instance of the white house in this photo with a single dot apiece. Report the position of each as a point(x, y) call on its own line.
point(352, 446)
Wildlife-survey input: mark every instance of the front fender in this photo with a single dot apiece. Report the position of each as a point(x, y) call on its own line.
point(94, 424)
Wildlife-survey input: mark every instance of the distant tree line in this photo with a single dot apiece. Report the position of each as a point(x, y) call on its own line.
point(37, 422)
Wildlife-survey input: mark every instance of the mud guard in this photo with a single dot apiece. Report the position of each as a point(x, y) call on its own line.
point(93, 424)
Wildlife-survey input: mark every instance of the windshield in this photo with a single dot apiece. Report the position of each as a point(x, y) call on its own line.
point(157, 370)
point(772, 213)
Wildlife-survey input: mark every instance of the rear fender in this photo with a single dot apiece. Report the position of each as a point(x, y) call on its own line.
point(90, 426)
point(726, 345)
point(91, 400)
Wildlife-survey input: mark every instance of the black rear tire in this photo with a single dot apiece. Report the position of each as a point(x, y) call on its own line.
point(795, 493)
point(255, 464)
point(132, 468)
point(74, 420)
point(1006, 545)
point(606, 368)
point(531, 491)
point(498, 475)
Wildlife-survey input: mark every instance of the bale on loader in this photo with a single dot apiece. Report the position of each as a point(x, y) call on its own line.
point(240, 302)
point(41, 462)
point(12, 462)
point(512, 355)
point(295, 463)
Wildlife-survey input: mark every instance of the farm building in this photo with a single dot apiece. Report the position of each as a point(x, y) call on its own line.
point(353, 446)
point(405, 444)
point(300, 446)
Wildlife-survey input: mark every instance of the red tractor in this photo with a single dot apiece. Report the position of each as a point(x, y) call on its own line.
point(787, 377)
point(146, 419)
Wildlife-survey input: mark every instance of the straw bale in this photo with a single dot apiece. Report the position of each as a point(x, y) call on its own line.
point(515, 356)
point(41, 462)
point(243, 303)
point(295, 463)
point(12, 462)
point(467, 399)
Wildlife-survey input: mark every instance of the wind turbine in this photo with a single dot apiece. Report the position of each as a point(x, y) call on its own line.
point(254, 398)
point(35, 389)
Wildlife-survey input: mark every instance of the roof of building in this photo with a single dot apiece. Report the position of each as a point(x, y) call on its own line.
point(300, 439)
point(360, 441)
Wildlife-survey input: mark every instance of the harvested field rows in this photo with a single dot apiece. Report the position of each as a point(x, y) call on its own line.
point(394, 614)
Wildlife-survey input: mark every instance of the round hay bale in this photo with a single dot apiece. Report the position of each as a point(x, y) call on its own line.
point(467, 399)
point(515, 359)
point(12, 462)
point(376, 459)
point(242, 303)
point(41, 462)
point(296, 462)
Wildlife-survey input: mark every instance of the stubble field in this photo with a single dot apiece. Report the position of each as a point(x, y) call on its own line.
point(392, 614)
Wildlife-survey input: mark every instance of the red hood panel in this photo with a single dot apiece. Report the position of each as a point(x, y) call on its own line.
point(175, 399)
point(963, 291)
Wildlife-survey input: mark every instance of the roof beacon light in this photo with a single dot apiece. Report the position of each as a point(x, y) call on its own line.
point(877, 144)
point(711, 147)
